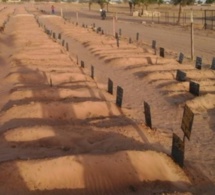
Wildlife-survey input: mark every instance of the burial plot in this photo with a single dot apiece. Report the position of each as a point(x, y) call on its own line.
point(178, 150)
point(181, 58)
point(187, 121)
point(199, 63)
point(213, 64)
point(180, 75)
point(119, 96)
point(162, 52)
point(147, 114)
point(194, 88)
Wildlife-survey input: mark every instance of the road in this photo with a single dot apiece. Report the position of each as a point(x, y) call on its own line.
point(172, 38)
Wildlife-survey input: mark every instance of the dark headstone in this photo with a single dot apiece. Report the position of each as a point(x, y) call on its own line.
point(120, 32)
point(187, 121)
point(137, 37)
point(119, 96)
point(162, 52)
point(63, 42)
point(180, 75)
point(194, 88)
point(153, 44)
point(59, 36)
point(92, 72)
point(117, 42)
point(213, 64)
point(53, 35)
point(116, 35)
point(67, 46)
point(178, 150)
point(181, 58)
point(199, 63)
point(82, 64)
point(147, 114)
point(99, 29)
point(130, 40)
point(110, 86)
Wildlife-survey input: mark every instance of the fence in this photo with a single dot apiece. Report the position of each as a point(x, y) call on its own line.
point(209, 19)
point(172, 17)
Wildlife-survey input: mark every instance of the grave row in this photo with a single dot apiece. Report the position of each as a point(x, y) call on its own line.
point(178, 145)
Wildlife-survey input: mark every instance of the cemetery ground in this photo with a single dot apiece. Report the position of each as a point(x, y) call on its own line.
point(61, 131)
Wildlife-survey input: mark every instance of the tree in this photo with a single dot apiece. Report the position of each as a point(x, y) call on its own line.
point(210, 1)
point(182, 3)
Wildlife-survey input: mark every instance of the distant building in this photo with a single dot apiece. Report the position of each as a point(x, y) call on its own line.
point(13, 1)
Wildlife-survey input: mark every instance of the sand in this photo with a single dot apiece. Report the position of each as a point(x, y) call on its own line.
point(61, 131)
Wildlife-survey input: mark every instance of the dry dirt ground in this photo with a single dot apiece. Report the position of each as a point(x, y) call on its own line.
point(61, 132)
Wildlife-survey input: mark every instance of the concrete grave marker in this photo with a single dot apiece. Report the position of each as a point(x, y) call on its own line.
point(181, 58)
point(147, 114)
point(162, 52)
point(213, 64)
point(187, 121)
point(180, 75)
point(110, 86)
point(177, 150)
point(198, 63)
point(119, 96)
point(194, 88)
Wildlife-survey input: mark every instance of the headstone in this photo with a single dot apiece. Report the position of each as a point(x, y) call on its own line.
point(130, 40)
point(199, 63)
point(187, 121)
point(137, 37)
point(213, 64)
point(181, 58)
point(116, 35)
point(110, 86)
point(162, 52)
point(82, 64)
point(147, 114)
point(92, 72)
point(117, 42)
point(119, 96)
point(77, 58)
point(63, 42)
point(120, 32)
point(53, 35)
point(153, 44)
point(59, 36)
point(99, 29)
point(194, 88)
point(177, 150)
point(180, 75)
point(67, 46)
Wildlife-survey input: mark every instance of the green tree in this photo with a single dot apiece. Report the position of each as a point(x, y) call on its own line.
point(210, 1)
point(182, 3)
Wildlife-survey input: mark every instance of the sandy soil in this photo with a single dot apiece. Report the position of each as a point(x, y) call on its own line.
point(61, 132)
